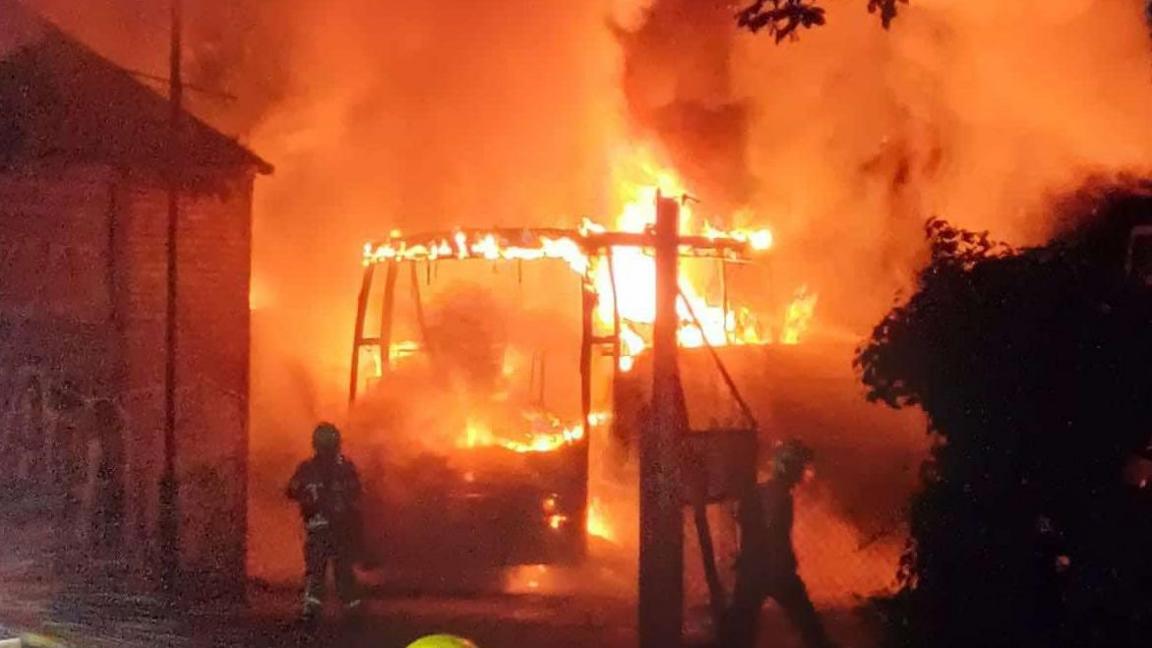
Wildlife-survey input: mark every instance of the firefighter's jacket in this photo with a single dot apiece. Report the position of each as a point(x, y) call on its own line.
point(328, 491)
point(766, 531)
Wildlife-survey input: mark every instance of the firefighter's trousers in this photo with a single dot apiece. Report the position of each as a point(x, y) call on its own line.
point(323, 547)
point(742, 621)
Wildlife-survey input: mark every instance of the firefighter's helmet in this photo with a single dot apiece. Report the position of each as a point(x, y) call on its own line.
point(790, 459)
point(442, 641)
point(326, 439)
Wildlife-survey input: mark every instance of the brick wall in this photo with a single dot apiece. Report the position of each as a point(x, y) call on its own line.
point(83, 304)
point(212, 371)
point(54, 240)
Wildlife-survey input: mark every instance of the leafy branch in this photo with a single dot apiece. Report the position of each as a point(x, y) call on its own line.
point(781, 18)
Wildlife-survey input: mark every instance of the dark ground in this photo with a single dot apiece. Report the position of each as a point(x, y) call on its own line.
point(492, 621)
point(89, 616)
point(502, 621)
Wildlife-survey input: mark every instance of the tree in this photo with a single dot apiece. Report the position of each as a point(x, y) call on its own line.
point(1034, 367)
point(781, 18)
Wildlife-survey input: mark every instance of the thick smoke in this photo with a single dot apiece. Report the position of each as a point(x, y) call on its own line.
point(420, 116)
point(234, 54)
point(846, 139)
point(677, 80)
point(978, 112)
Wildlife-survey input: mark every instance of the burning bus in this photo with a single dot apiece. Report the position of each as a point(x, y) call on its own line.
point(488, 463)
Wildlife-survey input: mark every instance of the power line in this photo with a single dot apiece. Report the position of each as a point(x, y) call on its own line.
point(187, 86)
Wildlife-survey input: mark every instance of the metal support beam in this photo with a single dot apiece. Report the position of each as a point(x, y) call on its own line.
point(358, 337)
point(716, 597)
point(724, 297)
point(661, 587)
point(418, 303)
point(749, 417)
point(587, 339)
point(617, 347)
point(386, 316)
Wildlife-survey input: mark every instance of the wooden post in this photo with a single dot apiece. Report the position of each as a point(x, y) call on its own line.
point(661, 587)
point(168, 522)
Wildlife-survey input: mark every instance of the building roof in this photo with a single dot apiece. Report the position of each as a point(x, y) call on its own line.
point(61, 100)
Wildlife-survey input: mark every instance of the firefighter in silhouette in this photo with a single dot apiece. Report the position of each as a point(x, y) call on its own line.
point(766, 567)
point(327, 489)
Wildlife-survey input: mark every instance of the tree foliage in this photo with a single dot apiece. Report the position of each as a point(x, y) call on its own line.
point(1034, 367)
point(781, 18)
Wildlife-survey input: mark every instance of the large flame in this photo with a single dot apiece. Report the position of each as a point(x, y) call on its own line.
point(798, 316)
point(628, 282)
point(543, 432)
point(624, 277)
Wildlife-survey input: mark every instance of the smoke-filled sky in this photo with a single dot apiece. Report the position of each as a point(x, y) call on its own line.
point(381, 114)
point(974, 111)
point(398, 114)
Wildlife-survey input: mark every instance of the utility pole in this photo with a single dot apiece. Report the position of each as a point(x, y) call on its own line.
point(169, 491)
point(661, 587)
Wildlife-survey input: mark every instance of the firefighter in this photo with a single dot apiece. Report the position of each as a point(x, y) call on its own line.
point(766, 567)
point(327, 489)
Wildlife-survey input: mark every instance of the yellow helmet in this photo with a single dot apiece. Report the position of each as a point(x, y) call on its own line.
point(442, 641)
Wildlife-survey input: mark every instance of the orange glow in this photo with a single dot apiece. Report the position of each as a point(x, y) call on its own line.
point(545, 433)
point(549, 504)
point(402, 350)
point(798, 317)
point(528, 577)
point(598, 525)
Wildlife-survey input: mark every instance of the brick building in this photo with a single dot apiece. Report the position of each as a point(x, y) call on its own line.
point(83, 226)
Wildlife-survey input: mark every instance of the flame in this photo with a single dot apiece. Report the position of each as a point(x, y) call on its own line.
point(798, 316)
point(623, 277)
point(597, 524)
point(760, 240)
point(480, 245)
point(628, 282)
point(546, 433)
